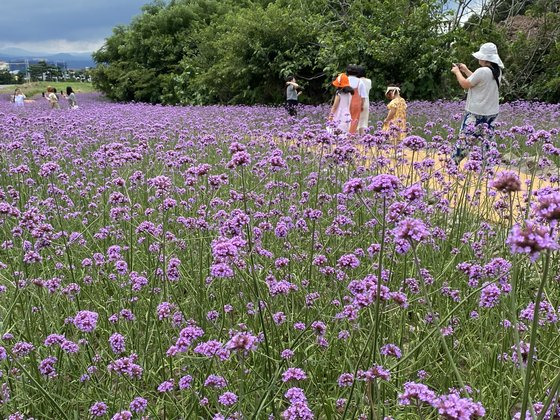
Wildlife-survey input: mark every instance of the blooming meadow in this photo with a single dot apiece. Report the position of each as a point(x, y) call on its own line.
point(229, 262)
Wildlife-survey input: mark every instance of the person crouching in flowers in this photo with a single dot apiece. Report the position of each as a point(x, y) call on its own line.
point(483, 85)
point(395, 123)
point(340, 111)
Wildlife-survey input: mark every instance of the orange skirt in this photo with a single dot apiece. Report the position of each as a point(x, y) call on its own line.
point(355, 110)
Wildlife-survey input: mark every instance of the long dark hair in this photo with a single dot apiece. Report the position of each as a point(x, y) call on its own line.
point(496, 72)
point(346, 89)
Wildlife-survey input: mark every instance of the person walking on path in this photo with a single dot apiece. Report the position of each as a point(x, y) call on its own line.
point(293, 90)
point(395, 123)
point(482, 105)
point(358, 97)
point(363, 121)
point(340, 112)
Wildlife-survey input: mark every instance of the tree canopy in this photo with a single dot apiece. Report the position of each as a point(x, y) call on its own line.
point(240, 51)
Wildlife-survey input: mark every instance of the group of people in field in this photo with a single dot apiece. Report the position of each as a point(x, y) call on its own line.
point(19, 98)
point(350, 109)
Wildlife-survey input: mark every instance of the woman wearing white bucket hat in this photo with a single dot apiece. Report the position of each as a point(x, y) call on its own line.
point(483, 84)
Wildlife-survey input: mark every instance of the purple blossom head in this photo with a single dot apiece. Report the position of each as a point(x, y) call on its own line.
point(411, 230)
point(242, 341)
point(414, 143)
point(138, 405)
point(215, 381)
point(348, 261)
point(506, 181)
point(122, 415)
point(375, 372)
point(47, 367)
point(86, 321)
point(117, 343)
point(185, 382)
point(294, 374)
point(384, 184)
point(166, 386)
point(531, 239)
point(489, 296)
point(453, 407)
point(416, 393)
point(227, 398)
point(391, 350)
point(547, 207)
point(353, 186)
point(345, 380)
point(98, 409)
point(241, 158)
point(295, 395)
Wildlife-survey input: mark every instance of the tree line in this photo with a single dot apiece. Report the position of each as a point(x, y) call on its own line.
point(241, 51)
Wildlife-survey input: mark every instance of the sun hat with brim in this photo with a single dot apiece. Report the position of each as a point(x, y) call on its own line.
point(489, 52)
point(392, 88)
point(341, 81)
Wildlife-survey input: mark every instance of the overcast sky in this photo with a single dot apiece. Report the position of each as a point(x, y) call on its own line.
point(62, 25)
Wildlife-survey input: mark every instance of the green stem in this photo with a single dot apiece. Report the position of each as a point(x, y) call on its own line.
point(378, 291)
point(443, 342)
point(532, 341)
point(548, 402)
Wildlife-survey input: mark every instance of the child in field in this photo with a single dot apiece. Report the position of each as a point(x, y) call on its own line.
point(52, 98)
point(395, 123)
point(19, 98)
point(340, 111)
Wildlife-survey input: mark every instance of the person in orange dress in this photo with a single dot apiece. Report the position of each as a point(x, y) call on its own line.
point(395, 123)
point(358, 97)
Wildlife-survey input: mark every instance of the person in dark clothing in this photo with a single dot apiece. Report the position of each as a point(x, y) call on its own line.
point(293, 90)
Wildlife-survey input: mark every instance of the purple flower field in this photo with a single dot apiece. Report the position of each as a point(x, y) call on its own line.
point(230, 263)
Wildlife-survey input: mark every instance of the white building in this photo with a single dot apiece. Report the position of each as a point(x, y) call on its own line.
point(4, 66)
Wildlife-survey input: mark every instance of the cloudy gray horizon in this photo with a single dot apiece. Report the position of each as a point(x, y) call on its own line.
point(63, 25)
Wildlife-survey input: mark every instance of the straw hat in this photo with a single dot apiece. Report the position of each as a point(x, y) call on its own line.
point(489, 52)
point(341, 81)
point(392, 88)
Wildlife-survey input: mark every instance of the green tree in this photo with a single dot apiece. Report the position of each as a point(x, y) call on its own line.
point(240, 51)
point(245, 57)
point(6, 78)
point(138, 62)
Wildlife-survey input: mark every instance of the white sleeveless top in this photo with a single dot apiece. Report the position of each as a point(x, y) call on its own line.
point(341, 116)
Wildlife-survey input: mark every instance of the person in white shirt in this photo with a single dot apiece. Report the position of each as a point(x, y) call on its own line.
point(71, 98)
point(358, 98)
point(363, 121)
point(19, 98)
point(483, 85)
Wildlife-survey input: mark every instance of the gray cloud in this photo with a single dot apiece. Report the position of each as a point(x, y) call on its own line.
point(70, 22)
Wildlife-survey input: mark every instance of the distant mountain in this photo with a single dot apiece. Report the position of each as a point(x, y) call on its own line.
point(16, 52)
point(72, 60)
